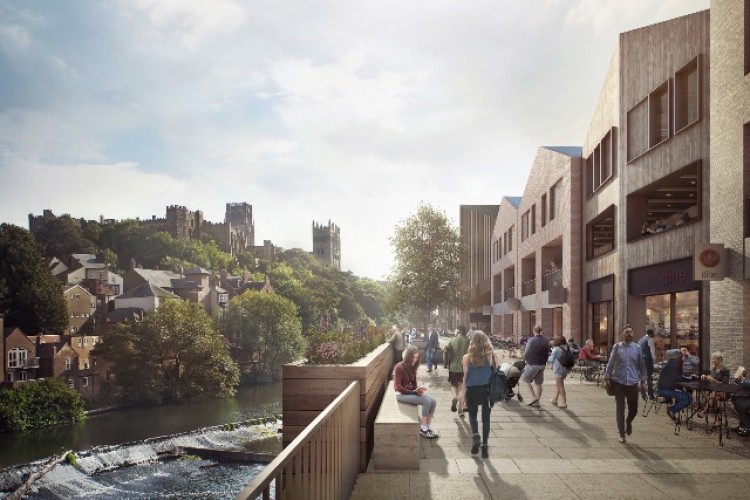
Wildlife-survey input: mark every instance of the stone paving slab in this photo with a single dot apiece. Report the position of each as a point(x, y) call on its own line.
point(573, 453)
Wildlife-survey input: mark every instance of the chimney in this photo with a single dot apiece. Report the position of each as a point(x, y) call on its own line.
point(131, 267)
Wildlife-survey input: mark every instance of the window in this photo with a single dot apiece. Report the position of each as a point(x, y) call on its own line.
point(533, 218)
point(505, 243)
point(637, 134)
point(80, 342)
point(71, 383)
point(600, 164)
point(525, 226)
point(85, 365)
point(24, 375)
point(84, 381)
point(85, 340)
point(658, 123)
point(510, 238)
point(670, 202)
point(544, 209)
point(601, 325)
point(553, 201)
point(68, 364)
point(686, 96)
point(600, 234)
point(17, 357)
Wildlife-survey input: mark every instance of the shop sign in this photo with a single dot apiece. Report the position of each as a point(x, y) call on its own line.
point(709, 262)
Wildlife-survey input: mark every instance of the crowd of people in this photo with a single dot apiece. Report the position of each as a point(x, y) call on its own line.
point(470, 360)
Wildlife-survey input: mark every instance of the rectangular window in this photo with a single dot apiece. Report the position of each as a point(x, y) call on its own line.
point(80, 342)
point(686, 95)
point(85, 340)
point(68, 364)
point(71, 383)
point(84, 381)
point(601, 326)
point(525, 226)
point(24, 375)
point(658, 103)
point(544, 210)
point(533, 218)
point(510, 238)
point(600, 234)
point(553, 201)
point(637, 133)
point(606, 161)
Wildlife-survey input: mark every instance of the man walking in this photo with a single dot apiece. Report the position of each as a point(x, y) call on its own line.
point(535, 355)
point(648, 350)
point(433, 342)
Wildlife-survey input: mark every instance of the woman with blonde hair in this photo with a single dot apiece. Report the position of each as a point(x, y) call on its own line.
point(407, 390)
point(719, 373)
point(560, 372)
point(478, 364)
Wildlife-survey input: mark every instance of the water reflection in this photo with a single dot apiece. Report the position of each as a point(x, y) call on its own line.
point(136, 424)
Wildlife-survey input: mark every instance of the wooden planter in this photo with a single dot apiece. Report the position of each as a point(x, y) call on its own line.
point(309, 389)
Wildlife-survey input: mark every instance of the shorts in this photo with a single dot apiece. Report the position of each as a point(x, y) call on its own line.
point(533, 373)
point(456, 378)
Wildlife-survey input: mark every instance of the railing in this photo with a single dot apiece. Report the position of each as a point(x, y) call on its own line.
point(510, 293)
point(321, 463)
point(551, 279)
point(528, 287)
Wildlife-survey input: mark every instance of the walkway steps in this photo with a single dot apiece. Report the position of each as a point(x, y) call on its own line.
point(573, 453)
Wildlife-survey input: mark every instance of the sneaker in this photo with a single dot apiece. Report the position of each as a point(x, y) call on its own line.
point(425, 433)
point(622, 439)
point(553, 401)
point(429, 370)
point(453, 405)
point(432, 434)
point(743, 432)
point(485, 451)
point(628, 428)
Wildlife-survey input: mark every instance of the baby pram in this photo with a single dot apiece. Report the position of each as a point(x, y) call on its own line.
point(513, 374)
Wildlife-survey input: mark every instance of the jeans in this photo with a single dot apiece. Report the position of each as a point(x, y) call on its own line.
point(625, 393)
point(428, 404)
point(681, 398)
point(477, 395)
point(742, 405)
point(431, 359)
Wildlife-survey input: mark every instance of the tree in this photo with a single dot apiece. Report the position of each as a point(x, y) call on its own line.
point(266, 325)
point(30, 298)
point(38, 404)
point(175, 354)
point(427, 271)
point(62, 236)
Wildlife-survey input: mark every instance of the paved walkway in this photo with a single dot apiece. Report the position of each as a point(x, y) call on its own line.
point(573, 453)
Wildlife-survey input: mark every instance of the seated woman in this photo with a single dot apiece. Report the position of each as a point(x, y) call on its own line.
point(741, 404)
point(719, 373)
point(668, 378)
point(407, 390)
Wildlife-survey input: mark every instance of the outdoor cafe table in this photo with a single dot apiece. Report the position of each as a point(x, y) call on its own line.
point(704, 390)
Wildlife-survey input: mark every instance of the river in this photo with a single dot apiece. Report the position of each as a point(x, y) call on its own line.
point(136, 424)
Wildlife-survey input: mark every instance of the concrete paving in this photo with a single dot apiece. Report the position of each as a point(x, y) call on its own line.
point(555, 453)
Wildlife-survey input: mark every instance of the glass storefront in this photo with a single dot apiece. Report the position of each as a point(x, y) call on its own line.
point(601, 326)
point(672, 331)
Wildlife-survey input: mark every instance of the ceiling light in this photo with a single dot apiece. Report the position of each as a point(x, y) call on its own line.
point(668, 195)
point(692, 182)
point(669, 205)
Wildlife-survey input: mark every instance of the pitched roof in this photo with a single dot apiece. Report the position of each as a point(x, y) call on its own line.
point(184, 284)
point(572, 151)
point(156, 277)
point(88, 260)
point(196, 270)
point(146, 290)
point(125, 315)
point(514, 200)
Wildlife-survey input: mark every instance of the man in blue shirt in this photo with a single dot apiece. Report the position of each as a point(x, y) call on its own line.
point(668, 378)
point(535, 355)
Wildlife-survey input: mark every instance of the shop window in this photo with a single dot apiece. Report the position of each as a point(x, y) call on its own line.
point(675, 319)
point(658, 115)
point(670, 202)
point(659, 319)
point(686, 99)
point(600, 234)
point(601, 326)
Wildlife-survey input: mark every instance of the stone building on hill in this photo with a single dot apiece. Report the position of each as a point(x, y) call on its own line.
point(327, 243)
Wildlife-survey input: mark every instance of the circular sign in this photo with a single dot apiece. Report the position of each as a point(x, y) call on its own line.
point(709, 257)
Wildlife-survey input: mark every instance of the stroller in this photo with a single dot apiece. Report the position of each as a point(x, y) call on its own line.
point(513, 374)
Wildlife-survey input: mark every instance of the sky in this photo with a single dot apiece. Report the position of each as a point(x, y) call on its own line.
point(309, 110)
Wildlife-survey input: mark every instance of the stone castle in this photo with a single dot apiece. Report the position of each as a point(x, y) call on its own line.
point(327, 243)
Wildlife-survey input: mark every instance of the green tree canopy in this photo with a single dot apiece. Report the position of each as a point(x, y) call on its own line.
point(175, 354)
point(427, 271)
point(39, 403)
point(63, 236)
point(266, 325)
point(30, 298)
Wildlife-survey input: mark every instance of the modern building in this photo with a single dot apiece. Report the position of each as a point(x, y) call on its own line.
point(729, 177)
point(476, 223)
point(536, 250)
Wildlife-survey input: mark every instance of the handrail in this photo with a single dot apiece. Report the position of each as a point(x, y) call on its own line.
point(322, 462)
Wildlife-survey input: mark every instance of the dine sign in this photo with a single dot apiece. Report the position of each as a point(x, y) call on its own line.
point(709, 262)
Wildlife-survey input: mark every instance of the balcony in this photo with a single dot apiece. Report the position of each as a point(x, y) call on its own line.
point(510, 293)
point(528, 287)
point(24, 364)
point(552, 279)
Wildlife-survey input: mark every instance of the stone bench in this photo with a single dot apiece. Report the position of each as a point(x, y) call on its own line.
point(396, 434)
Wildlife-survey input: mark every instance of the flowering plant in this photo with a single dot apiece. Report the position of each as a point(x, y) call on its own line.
point(345, 346)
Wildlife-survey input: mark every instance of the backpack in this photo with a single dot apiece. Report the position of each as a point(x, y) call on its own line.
point(567, 360)
point(498, 386)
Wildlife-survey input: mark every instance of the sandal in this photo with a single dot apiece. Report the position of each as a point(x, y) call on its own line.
point(553, 401)
point(563, 406)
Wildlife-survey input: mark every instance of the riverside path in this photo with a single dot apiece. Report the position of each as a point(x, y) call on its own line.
point(551, 453)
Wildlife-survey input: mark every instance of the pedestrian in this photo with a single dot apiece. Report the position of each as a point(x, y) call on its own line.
point(407, 390)
point(433, 343)
point(456, 350)
point(397, 340)
point(669, 377)
point(648, 348)
point(625, 372)
point(471, 332)
point(535, 355)
point(559, 371)
point(478, 364)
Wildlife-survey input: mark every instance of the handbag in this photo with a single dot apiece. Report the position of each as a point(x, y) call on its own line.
point(608, 382)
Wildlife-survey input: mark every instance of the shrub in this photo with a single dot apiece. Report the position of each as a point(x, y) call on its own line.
point(39, 404)
point(329, 347)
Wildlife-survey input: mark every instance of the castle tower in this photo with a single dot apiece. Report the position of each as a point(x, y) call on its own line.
point(327, 243)
point(240, 216)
